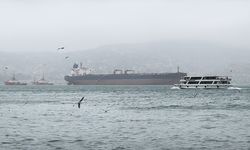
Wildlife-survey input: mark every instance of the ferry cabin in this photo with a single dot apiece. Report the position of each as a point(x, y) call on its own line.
point(205, 82)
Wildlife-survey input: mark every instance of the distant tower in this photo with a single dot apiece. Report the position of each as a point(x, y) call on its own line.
point(178, 69)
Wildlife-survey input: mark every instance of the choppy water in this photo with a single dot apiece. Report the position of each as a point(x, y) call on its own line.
point(123, 117)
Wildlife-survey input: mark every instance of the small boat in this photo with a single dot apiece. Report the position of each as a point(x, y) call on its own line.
point(13, 81)
point(42, 81)
point(204, 82)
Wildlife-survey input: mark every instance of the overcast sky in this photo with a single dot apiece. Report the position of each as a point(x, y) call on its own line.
point(44, 25)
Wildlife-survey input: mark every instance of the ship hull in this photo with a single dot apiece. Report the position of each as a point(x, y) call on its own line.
point(7, 83)
point(43, 84)
point(126, 79)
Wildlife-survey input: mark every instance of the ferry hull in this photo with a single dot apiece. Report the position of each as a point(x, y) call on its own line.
point(221, 86)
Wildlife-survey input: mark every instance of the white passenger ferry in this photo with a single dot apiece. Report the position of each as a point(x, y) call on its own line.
point(206, 82)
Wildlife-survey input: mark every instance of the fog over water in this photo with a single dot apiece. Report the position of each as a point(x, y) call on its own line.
point(202, 37)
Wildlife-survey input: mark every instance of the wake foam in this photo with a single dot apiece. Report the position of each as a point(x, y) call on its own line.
point(175, 88)
point(234, 88)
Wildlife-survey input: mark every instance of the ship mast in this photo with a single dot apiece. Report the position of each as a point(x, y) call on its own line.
point(14, 76)
point(43, 77)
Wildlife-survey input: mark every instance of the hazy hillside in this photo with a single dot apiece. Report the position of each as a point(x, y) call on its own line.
point(154, 57)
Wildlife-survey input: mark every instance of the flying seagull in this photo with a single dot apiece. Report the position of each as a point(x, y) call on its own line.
point(60, 48)
point(79, 103)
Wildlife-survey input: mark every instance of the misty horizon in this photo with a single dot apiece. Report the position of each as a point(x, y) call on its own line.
point(78, 25)
point(202, 37)
point(143, 58)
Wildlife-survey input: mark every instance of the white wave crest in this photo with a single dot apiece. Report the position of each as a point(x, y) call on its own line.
point(175, 88)
point(234, 88)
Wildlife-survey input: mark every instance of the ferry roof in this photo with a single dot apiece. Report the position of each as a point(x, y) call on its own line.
point(207, 76)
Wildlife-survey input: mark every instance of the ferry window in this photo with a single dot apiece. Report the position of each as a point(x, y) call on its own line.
point(193, 82)
point(209, 78)
point(206, 82)
point(224, 82)
point(195, 78)
point(216, 82)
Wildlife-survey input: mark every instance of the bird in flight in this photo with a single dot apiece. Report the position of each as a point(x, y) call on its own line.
point(60, 48)
point(79, 103)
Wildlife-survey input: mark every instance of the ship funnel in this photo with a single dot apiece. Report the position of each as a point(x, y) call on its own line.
point(75, 66)
point(118, 71)
point(127, 71)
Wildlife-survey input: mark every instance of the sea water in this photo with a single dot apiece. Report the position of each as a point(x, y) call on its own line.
point(123, 117)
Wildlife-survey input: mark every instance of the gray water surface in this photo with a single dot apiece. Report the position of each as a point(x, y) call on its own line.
point(123, 117)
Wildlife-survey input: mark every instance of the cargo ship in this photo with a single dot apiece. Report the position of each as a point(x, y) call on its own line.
point(82, 76)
